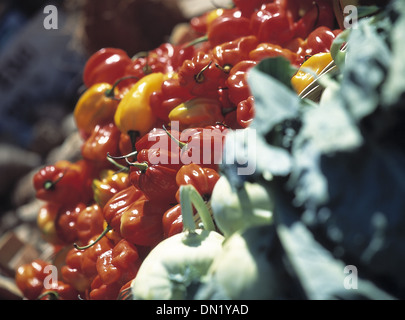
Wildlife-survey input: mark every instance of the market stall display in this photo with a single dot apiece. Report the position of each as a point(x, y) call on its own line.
point(201, 153)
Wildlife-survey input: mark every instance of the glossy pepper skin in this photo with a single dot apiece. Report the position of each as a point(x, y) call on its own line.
point(46, 222)
point(202, 178)
point(172, 221)
point(95, 106)
point(309, 15)
point(168, 97)
point(101, 291)
point(66, 222)
point(228, 54)
point(228, 26)
point(202, 145)
point(200, 76)
point(320, 40)
point(59, 291)
point(119, 264)
point(245, 112)
point(103, 140)
point(238, 87)
point(108, 184)
point(272, 16)
point(65, 182)
point(105, 65)
point(248, 7)
point(200, 23)
point(60, 183)
point(30, 278)
point(156, 60)
point(118, 204)
point(89, 222)
point(141, 222)
point(269, 50)
point(316, 64)
point(197, 112)
point(134, 113)
point(154, 173)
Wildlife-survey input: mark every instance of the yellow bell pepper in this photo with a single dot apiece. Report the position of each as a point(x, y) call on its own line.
point(316, 64)
point(134, 113)
point(197, 112)
point(109, 183)
point(95, 106)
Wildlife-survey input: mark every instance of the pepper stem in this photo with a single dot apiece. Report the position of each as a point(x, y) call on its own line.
point(181, 144)
point(199, 77)
point(143, 166)
point(119, 166)
point(190, 197)
point(225, 68)
point(49, 185)
point(110, 92)
point(53, 295)
point(133, 134)
point(105, 231)
point(197, 41)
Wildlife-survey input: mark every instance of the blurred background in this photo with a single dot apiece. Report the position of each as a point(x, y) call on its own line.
point(40, 82)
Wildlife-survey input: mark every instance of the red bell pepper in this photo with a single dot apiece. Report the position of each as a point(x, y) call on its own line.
point(320, 40)
point(273, 24)
point(229, 26)
point(101, 291)
point(89, 222)
point(154, 173)
point(88, 258)
point(172, 221)
point(72, 272)
point(103, 140)
point(118, 204)
point(245, 112)
point(119, 264)
point(30, 277)
point(66, 223)
point(141, 222)
point(65, 182)
point(269, 50)
point(311, 14)
point(202, 178)
point(238, 87)
point(228, 54)
point(170, 96)
point(200, 76)
point(247, 7)
point(106, 65)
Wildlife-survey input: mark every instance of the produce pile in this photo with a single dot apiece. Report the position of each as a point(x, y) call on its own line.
point(205, 175)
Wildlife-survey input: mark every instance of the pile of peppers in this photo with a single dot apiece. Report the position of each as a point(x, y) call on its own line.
point(104, 213)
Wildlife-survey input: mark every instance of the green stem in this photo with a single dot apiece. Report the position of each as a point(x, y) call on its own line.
point(197, 41)
point(180, 144)
point(189, 196)
point(110, 92)
point(143, 166)
point(105, 231)
point(119, 166)
point(53, 295)
point(50, 185)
